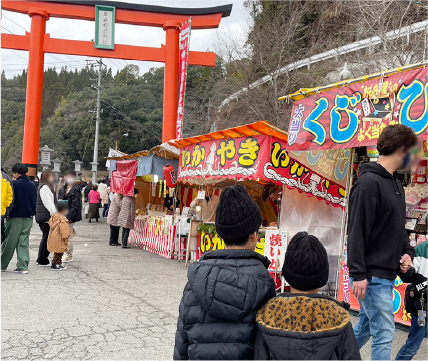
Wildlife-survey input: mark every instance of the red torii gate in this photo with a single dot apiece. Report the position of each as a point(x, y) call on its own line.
point(37, 42)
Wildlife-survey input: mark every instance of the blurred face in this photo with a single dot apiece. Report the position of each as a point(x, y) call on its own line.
point(402, 158)
point(15, 175)
point(70, 179)
point(209, 191)
point(274, 196)
point(65, 212)
point(51, 179)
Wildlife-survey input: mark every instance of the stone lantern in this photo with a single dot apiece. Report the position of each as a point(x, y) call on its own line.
point(56, 167)
point(77, 166)
point(45, 157)
point(94, 171)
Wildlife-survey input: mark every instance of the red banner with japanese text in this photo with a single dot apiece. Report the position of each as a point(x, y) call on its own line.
point(231, 158)
point(355, 115)
point(345, 294)
point(182, 71)
point(255, 158)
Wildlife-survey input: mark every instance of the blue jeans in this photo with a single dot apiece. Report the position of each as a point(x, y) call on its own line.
point(413, 342)
point(376, 318)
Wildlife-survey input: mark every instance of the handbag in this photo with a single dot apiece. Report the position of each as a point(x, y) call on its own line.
point(100, 204)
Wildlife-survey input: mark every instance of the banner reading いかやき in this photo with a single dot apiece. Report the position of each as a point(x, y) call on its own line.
point(261, 158)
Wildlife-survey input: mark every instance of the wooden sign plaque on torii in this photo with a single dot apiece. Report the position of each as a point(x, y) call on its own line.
point(37, 43)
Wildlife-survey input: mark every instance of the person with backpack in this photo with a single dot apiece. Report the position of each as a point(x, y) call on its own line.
point(225, 288)
point(45, 208)
point(303, 324)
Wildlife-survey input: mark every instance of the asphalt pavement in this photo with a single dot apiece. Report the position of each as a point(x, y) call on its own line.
point(111, 303)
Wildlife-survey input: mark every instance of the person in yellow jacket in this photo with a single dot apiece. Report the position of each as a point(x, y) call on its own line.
point(6, 200)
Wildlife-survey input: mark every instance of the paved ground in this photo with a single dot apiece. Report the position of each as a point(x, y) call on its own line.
point(111, 303)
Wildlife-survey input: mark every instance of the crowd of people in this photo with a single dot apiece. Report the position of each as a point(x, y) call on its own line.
point(56, 207)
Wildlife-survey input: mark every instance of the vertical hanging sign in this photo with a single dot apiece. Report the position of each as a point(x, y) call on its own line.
point(182, 71)
point(104, 26)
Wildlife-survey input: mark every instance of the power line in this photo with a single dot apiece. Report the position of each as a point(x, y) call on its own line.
point(53, 56)
point(69, 36)
point(15, 23)
point(133, 121)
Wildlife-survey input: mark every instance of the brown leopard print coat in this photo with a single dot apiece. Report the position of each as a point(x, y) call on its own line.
point(304, 327)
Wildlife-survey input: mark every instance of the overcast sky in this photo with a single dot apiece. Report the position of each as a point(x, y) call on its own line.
point(14, 61)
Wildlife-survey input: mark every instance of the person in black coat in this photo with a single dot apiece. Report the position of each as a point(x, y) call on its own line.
point(304, 325)
point(72, 193)
point(225, 288)
point(20, 221)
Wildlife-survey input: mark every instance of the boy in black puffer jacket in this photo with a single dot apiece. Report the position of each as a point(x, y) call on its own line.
point(303, 325)
point(225, 288)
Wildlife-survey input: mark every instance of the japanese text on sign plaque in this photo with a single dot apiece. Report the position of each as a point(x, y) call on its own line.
point(104, 27)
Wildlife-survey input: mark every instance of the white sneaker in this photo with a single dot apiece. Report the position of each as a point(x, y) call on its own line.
point(44, 265)
point(67, 260)
point(21, 272)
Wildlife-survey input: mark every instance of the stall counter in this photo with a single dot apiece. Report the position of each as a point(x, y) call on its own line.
point(154, 234)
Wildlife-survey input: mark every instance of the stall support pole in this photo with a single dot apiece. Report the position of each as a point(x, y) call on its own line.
point(344, 218)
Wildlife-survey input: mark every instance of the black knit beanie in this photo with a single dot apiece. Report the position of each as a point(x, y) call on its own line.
point(237, 215)
point(306, 263)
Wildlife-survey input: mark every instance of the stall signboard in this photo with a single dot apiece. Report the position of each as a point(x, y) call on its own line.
point(225, 158)
point(345, 294)
point(211, 242)
point(275, 247)
point(329, 163)
point(355, 115)
point(256, 158)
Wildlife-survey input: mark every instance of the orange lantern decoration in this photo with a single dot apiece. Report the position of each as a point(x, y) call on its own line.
point(170, 177)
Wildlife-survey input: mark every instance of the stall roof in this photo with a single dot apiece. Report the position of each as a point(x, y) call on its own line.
point(164, 151)
point(259, 128)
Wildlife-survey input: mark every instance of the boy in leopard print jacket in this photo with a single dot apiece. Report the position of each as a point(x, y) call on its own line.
point(303, 324)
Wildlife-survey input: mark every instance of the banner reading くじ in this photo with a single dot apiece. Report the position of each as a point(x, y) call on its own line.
point(355, 115)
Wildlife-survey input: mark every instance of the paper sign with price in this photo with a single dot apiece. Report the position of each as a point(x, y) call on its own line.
point(275, 247)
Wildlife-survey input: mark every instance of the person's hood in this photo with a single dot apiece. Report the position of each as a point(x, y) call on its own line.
point(56, 219)
point(230, 284)
point(302, 327)
point(375, 168)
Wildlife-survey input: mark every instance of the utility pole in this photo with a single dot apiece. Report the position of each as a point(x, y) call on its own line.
point(94, 162)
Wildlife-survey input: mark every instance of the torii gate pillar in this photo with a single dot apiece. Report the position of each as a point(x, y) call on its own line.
point(170, 94)
point(33, 104)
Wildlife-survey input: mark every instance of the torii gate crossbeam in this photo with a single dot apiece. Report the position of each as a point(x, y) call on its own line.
point(37, 43)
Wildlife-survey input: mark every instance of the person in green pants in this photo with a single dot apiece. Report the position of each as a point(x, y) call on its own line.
point(20, 221)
